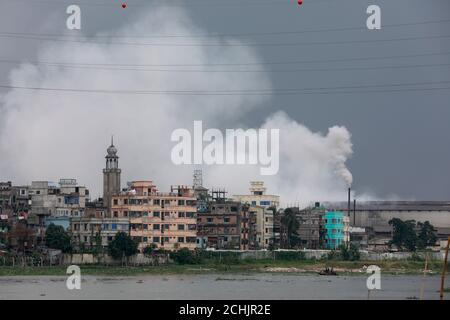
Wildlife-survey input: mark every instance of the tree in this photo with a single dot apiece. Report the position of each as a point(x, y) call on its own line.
point(290, 225)
point(185, 256)
point(148, 251)
point(57, 238)
point(98, 247)
point(122, 246)
point(427, 235)
point(404, 234)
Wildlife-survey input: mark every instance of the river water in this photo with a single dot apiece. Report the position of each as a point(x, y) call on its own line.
point(258, 286)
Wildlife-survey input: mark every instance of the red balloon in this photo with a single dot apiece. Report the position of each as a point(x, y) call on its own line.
point(300, 2)
point(124, 5)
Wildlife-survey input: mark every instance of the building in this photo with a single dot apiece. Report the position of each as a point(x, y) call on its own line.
point(166, 220)
point(264, 226)
point(6, 198)
point(111, 175)
point(49, 200)
point(337, 229)
point(374, 216)
point(225, 224)
point(258, 196)
point(311, 227)
point(88, 232)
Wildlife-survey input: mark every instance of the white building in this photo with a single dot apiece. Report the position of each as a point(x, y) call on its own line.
point(258, 196)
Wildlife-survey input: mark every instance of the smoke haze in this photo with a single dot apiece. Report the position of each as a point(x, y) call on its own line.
point(52, 135)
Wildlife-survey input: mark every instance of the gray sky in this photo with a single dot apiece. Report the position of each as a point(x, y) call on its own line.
point(401, 140)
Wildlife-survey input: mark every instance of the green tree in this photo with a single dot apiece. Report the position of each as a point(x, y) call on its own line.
point(290, 224)
point(427, 235)
point(122, 246)
point(404, 234)
point(57, 238)
point(185, 256)
point(148, 251)
point(98, 247)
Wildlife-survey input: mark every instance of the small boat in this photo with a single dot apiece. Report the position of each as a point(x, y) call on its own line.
point(328, 272)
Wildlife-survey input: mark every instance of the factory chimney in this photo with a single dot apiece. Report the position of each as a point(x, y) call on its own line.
point(349, 208)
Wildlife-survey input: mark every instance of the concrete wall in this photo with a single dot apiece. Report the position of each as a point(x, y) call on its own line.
point(139, 259)
point(319, 254)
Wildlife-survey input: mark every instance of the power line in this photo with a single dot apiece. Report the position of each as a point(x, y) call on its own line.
point(320, 90)
point(352, 59)
point(221, 44)
point(331, 29)
point(255, 71)
point(240, 3)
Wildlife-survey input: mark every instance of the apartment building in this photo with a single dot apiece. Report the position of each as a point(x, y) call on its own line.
point(49, 200)
point(167, 220)
point(226, 225)
point(87, 230)
point(337, 229)
point(264, 226)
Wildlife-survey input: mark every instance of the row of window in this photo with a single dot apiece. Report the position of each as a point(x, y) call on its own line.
point(166, 239)
point(104, 227)
point(156, 202)
point(155, 214)
point(157, 226)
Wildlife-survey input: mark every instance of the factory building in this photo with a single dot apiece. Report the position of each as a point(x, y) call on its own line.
point(374, 216)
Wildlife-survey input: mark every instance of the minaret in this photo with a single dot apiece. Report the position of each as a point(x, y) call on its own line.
point(111, 176)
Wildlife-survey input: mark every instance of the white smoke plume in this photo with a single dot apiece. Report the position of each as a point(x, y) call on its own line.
point(52, 135)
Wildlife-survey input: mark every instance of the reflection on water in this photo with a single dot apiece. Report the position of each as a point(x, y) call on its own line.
point(221, 286)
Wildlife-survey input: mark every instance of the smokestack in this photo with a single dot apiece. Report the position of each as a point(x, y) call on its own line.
point(354, 212)
point(349, 208)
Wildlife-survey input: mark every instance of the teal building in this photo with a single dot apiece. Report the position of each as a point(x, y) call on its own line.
point(336, 226)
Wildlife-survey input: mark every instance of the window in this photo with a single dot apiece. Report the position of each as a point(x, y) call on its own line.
point(114, 226)
point(156, 227)
point(116, 202)
point(125, 201)
point(167, 227)
point(191, 239)
point(181, 227)
point(156, 214)
point(181, 202)
point(156, 239)
point(190, 214)
point(116, 214)
point(209, 220)
point(264, 203)
point(144, 239)
point(145, 226)
point(192, 227)
point(181, 214)
point(181, 239)
point(226, 220)
point(166, 239)
point(253, 203)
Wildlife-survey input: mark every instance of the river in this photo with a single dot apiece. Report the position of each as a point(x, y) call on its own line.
point(259, 286)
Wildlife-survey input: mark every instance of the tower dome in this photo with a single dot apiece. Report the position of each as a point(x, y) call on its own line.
point(112, 151)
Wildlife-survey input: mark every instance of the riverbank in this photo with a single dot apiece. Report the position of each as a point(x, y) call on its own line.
point(266, 266)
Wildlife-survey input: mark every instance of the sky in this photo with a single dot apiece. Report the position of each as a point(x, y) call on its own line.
point(394, 141)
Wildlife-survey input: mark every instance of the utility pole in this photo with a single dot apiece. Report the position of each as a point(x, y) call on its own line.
point(444, 270)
